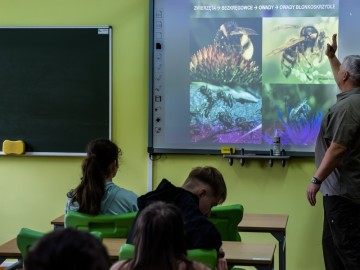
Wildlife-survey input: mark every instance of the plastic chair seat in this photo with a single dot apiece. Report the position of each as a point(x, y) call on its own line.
point(26, 238)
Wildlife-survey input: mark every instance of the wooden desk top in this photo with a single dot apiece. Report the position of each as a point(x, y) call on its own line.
point(113, 246)
point(249, 222)
point(10, 249)
point(235, 252)
point(59, 221)
point(263, 223)
point(248, 253)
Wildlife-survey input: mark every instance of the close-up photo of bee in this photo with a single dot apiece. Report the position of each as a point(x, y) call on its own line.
point(232, 39)
point(294, 112)
point(294, 50)
point(226, 52)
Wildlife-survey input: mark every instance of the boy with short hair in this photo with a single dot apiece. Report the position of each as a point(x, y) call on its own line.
point(204, 188)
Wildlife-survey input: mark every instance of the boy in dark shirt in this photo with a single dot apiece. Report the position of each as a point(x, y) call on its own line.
point(204, 188)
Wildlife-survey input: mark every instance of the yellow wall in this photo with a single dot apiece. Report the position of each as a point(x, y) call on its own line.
point(33, 188)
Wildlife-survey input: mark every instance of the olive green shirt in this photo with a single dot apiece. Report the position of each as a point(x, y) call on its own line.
point(341, 124)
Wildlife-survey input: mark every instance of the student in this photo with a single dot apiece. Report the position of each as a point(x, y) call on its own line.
point(159, 241)
point(69, 249)
point(204, 188)
point(96, 193)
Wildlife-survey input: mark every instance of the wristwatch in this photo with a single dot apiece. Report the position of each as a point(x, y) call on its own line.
point(315, 181)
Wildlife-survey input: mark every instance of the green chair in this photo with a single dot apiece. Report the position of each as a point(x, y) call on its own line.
point(26, 238)
point(97, 235)
point(226, 220)
point(205, 256)
point(110, 226)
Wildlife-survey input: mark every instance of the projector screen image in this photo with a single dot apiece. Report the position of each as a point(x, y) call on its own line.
point(237, 73)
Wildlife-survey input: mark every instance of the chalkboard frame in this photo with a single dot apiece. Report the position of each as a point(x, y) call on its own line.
point(83, 84)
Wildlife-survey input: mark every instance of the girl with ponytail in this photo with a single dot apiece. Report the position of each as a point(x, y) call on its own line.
point(96, 192)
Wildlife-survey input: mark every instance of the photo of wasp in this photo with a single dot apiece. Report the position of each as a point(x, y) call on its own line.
point(231, 39)
point(310, 44)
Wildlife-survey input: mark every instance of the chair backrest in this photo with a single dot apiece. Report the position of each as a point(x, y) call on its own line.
point(98, 235)
point(205, 256)
point(226, 220)
point(26, 238)
point(110, 226)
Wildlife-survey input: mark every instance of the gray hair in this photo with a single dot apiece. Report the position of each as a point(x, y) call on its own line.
point(351, 64)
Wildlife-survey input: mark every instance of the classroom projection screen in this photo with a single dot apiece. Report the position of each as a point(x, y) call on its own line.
point(238, 72)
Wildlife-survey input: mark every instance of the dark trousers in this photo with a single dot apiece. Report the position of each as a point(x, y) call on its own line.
point(341, 234)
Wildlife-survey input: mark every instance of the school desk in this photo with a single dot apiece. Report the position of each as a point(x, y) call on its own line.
point(58, 222)
point(261, 256)
point(9, 250)
point(269, 223)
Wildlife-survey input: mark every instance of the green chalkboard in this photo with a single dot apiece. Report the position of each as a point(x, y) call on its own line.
point(55, 87)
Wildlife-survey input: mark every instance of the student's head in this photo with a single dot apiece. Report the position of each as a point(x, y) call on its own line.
point(209, 185)
point(102, 158)
point(159, 237)
point(100, 164)
point(68, 249)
